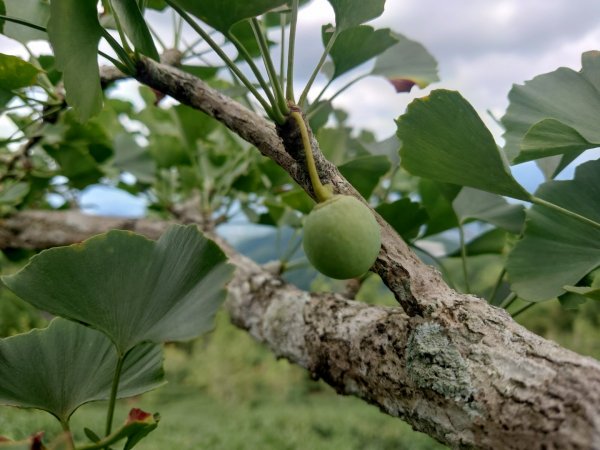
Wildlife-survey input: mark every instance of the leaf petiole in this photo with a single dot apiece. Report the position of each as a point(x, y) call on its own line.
point(317, 68)
point(264, 50)
point(289, 93)
point(23, 22)
point(255, 70)
point(463, 257)
point(115, 62)
point(69, 436)
point(113, 394)
point(523, 309)
point(124, 42)
point(497, 286)
point(217, 49)
point(120, 51)
point(541, 202)
point(510, 298)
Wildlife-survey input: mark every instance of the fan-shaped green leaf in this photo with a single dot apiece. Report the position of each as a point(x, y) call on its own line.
point(555, 145)
point(298, 200)
point(135, 27)
point(320, 115)
point(16, 73)
point(202, 72)
point(159, 5)
point(36, 12)
point(551, 137)
point(491, 208)
point(12, 193)
point(571, 300)
point(553, 165)
point(590, 288)
point(334, 143)
point(132, 158)
point(483, 271)
point(74, 33)
point(349, 13)
point(388, 147)
point(437, 199)
point(405, 64)
point(586, 291)
point(356, 45)
point(405, 216)
point(557, 250)
point(131, 288)
point(223, 14)
point(571, 98)
point(492, 241)
point(444, 139)
point(365, 172)
point(66, 365)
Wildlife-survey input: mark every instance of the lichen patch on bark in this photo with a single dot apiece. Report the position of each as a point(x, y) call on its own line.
point(432, 362)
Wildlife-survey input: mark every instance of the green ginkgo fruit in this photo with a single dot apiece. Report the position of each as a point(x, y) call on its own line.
point(341, 237)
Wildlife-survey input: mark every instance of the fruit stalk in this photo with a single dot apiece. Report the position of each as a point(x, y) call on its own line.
point(322, 193)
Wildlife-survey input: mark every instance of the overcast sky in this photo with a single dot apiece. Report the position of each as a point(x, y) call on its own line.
point(482, 48)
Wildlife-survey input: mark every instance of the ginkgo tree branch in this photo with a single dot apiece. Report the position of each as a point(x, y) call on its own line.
point(400, 269)
point(468, 376)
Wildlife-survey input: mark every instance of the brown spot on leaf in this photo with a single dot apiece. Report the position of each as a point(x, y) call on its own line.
point(402, 84)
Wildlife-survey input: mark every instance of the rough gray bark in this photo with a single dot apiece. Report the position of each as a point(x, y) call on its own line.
point(467, 375)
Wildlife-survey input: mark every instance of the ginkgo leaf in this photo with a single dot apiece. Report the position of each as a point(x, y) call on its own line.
point(349, 13)
point(571, 99)
point(68, 365)
point(557, 250)
point(131, 288)
point(356, 45)
point(134, 25)
point(35, 12)
point(223, 14)
point(445, 140)
point(491, 208)
point(74, 33)
point(16, 73)
point(405, 64)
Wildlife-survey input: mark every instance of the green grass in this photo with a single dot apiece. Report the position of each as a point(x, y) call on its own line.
point(192, 420)
point(229, 393)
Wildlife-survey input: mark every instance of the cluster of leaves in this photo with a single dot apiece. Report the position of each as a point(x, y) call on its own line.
point(178, 153)
point(124, 295)
point(554, 251)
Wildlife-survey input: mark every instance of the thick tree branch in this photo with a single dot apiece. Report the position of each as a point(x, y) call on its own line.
point(470, 377)
point(400, 269)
